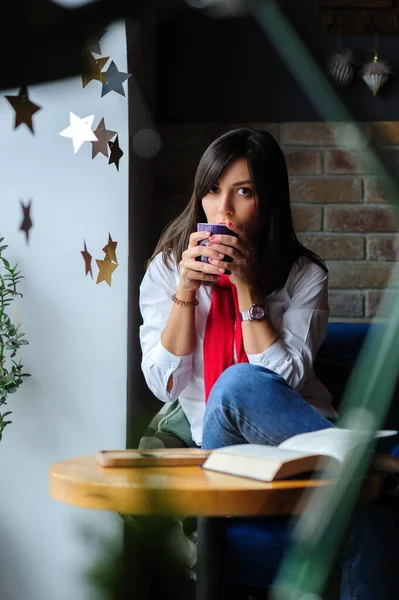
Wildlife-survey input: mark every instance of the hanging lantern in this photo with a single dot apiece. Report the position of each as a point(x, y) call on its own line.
point(340, 68)
point(375, 73)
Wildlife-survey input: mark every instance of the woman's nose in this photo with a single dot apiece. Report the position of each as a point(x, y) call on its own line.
point(225, 204)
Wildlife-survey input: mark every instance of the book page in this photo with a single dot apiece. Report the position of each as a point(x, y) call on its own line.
point(272, 453)
point(333, 441)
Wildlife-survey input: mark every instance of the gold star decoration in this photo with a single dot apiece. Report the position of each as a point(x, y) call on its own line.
point(116, 152)
point(24, 108)
point(27, 222)
point(93, 68)
point(87, 257)
point(105, 270)
point(103, 136)
point(110, 250)
point(108, 265)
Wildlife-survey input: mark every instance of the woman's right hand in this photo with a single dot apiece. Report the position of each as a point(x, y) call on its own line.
point(192, 272)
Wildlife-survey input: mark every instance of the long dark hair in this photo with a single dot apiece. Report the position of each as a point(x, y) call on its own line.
point(277, 246)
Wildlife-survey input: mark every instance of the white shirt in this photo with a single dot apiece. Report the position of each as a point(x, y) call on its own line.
point(298, 312)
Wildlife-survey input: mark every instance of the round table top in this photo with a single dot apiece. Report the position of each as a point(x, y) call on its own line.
point(181, 491)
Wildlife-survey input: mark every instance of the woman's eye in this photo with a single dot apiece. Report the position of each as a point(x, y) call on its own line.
point(213, 190)
point(245, 191)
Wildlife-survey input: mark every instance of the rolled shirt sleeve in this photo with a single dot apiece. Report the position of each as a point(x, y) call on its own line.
point(158, 364)
point(302, 330)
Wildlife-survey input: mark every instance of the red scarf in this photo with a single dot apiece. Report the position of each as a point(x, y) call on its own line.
point(220, 334)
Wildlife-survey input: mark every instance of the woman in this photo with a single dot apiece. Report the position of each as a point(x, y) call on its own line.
point(231, 327)
point(190, 319)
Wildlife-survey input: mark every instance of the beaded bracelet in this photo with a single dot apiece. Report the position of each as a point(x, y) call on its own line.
point(188, 303)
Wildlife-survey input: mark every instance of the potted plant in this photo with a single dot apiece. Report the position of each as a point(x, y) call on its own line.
point(11, 339)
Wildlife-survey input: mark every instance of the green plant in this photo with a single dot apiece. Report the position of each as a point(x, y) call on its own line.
point(11, 339)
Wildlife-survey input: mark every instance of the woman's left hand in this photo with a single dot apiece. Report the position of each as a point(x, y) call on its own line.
point(241, 267)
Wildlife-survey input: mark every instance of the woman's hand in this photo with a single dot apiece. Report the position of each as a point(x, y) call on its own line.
point(241, 267)
point(192, 272)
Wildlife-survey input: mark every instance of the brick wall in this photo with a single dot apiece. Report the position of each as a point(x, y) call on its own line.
point(338, 208)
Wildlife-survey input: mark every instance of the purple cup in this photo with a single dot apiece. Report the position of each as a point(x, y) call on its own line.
point(214, 229)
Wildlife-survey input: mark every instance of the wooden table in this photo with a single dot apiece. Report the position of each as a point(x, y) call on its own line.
point(182, 491)
point(178, 491)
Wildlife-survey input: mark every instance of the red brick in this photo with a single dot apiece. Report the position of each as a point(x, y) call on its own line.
point(318, 134)
point(307, 218)
point(335, 246)
point(303, 162)
point(374, 300)
point(340, 162)
point(359, 219)
point(326, 191)
point(358, 274)
point(346, 304)
point(383, 247)
point(376, 191)
point(386, 132)
point(214, 130)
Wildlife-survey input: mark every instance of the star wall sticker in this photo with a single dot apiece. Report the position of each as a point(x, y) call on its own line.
point(103, 136)
point(114, 80)
point(87, 257)
point(105, 270)
point(24, 108)
point(116, 152)
point(94, 41)
point(93, 68)
point(110, 250)
point(79, 131)
point(27, 222)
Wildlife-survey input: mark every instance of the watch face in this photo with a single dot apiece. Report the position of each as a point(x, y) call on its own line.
point(257, 312)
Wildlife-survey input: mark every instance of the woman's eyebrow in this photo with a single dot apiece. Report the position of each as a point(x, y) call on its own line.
point(241, 182)
point(236, 183)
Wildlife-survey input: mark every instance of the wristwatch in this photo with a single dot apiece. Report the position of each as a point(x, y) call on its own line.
point(257, 312)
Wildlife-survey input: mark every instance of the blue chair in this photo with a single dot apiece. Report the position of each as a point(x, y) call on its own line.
point(255, 546)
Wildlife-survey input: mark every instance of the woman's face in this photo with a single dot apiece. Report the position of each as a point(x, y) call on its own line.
point(232, 201)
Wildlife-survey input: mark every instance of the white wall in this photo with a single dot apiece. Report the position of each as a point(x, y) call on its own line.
point(74, 403)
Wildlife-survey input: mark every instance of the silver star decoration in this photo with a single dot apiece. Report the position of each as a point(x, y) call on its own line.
point(79, 131)
point(114, 80)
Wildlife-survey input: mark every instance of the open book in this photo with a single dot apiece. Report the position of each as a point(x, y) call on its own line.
point(299, 454)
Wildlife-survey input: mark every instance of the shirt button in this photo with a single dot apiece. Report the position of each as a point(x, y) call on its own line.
point(265, 362)
point(175, 365)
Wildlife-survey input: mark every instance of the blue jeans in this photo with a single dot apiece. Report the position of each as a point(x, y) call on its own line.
point(251, 404)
